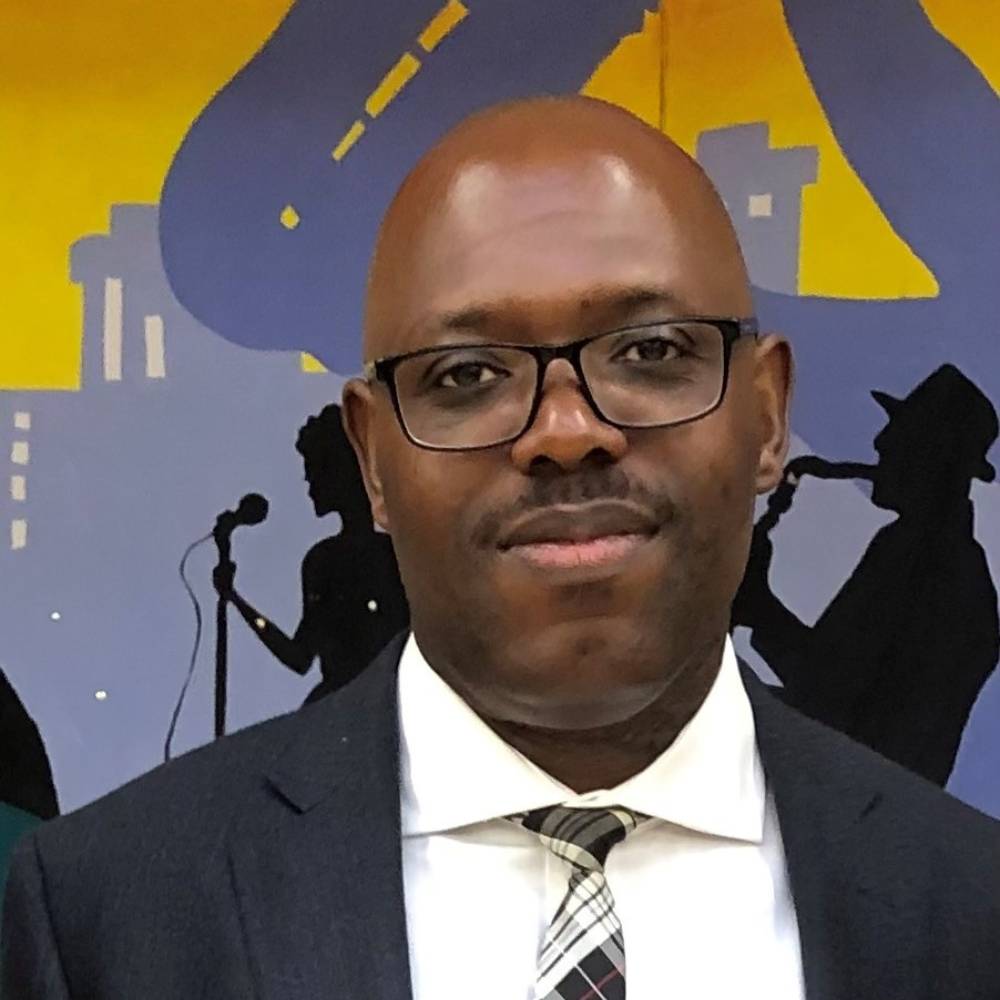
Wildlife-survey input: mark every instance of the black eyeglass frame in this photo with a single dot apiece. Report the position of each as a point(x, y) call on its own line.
point(731, 329)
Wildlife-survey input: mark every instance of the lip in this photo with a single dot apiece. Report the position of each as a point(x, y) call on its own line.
point(598, 536)
point(581, 523)
point(596, 553)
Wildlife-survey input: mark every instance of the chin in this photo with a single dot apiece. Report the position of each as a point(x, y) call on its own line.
point(602, 712)
point(606, 701)
point(581, 673)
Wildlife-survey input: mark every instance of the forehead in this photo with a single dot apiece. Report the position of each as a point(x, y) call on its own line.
point(529, 247)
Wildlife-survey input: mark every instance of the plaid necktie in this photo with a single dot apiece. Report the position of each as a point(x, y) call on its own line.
point(583, 954)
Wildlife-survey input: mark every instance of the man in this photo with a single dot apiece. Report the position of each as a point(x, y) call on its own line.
point(560, 785)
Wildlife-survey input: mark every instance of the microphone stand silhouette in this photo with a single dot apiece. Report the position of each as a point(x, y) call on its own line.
point(252, 509)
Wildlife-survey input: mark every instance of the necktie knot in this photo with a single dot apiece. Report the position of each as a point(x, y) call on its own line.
point(582, 837)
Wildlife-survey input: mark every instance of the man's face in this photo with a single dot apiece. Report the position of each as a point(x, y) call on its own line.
point(564, 635)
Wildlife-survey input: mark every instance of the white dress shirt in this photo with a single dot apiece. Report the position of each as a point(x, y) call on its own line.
point(701, 890)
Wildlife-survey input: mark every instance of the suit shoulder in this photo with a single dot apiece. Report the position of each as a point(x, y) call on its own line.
point(188, 799)
point(949, 824)
point(919, 813)
point(920, 834)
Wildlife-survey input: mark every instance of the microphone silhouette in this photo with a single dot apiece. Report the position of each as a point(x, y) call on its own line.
point(252, 509)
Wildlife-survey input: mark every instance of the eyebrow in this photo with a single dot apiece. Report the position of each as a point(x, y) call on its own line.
point(630, 299)
point(611, 301)
point(472, 318)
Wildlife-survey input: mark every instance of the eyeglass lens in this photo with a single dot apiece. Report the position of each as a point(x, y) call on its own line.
point(649, 376)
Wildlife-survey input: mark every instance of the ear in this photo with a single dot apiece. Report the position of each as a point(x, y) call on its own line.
point(773, 380)
point(358, 417)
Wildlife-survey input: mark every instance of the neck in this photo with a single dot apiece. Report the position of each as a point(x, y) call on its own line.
point(604, 757)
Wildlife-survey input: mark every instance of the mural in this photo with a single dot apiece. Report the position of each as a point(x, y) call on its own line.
point(900, 655)
point(352, 598)
point(185, 301)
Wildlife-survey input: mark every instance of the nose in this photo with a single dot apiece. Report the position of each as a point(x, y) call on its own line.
point(566, 431)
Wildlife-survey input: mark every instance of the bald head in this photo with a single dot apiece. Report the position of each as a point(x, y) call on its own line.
point(569, 426)
point(520, 167)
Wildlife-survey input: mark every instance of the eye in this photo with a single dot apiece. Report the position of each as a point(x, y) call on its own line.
point(468, 374)
point(651, 349)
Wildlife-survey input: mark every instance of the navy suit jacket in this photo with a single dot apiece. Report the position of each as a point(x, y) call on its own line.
point(267, 866)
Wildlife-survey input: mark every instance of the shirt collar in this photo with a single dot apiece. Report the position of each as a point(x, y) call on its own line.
point(455, 771)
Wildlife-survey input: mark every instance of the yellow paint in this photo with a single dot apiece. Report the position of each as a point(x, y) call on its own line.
point(734, 61)
point(95, 97)
point(442, 23)
point(289, 217)
point(631, 75)
point(313, 365)
point(974, 26)
point(351, 136)
point(392, 83)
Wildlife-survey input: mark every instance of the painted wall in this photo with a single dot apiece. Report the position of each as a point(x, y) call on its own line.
point(190, 195)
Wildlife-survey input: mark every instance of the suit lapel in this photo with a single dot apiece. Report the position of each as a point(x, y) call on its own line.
point(317, 872)
point(316, 860)
point(833, 822)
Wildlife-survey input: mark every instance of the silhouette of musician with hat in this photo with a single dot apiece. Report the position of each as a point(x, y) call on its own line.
point(352, 598)
point(898, 658)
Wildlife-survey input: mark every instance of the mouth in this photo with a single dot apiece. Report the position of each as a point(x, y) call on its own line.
point(596, 552)
point(598, 535)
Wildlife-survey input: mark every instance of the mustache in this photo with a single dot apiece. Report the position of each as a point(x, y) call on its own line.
point(571, 489)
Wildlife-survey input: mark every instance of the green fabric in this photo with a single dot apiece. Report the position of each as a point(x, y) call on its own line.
point(14, 823)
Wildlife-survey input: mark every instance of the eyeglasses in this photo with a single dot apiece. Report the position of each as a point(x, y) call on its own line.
point(462, 397)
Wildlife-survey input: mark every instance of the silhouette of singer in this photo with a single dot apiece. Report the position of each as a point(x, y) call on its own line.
point(352, 598)
point(899, 657)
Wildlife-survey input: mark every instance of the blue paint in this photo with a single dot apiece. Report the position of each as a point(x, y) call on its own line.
point(273, 128)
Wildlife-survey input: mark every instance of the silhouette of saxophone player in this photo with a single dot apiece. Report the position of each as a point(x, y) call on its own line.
point(352, 598)
point(898, 658)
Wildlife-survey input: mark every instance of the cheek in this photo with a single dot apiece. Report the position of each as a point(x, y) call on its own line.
point(718, 489)
point(726, 500)
point(427, 495)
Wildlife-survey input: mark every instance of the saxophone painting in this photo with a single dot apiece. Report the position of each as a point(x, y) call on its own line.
point(899, 656)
